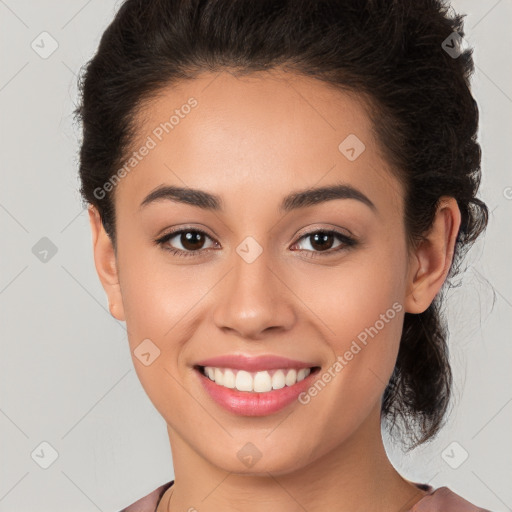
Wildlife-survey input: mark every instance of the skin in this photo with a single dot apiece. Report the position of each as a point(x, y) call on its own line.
point(253, 140)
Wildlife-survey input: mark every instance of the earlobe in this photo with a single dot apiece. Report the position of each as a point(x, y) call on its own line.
point(106, 264)
point(433, 257)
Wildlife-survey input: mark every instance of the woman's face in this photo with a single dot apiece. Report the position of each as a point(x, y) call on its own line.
point(265, 279)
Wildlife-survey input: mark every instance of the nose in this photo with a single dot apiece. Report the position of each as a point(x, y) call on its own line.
point(254, 300)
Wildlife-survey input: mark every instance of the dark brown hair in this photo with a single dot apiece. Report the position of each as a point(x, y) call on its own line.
point(391, 52)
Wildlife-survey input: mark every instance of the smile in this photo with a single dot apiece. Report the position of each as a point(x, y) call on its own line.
point(253, 393)
point(256, 382)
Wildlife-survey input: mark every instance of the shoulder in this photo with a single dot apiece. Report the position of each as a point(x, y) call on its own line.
point(149, 502)
point(443, 499)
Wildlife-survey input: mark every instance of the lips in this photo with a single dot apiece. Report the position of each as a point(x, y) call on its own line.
point(254, 363)
point(249, 403)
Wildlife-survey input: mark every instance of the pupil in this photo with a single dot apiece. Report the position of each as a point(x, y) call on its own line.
point(320, 241)
point(189, 238)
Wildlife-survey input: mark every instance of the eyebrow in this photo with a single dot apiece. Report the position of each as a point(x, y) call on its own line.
point(293, 201)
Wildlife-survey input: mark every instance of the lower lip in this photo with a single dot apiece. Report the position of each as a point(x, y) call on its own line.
point(247, 403)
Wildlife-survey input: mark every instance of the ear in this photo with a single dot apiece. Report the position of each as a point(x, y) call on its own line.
point(431, 260)
point(106, 264)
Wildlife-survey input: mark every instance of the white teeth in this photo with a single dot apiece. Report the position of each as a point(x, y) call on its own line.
point(229, 379)
point(243, 381)
point(258, 382)
point(301, 374)
point(219, 376)
point(291, 377)
point(262, 382)
point(279, 380)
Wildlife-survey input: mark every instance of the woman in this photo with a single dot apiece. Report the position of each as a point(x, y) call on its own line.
point(278, 192)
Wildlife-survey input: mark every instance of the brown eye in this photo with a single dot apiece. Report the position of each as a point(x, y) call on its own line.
point(189, 242)
point(323, 241)
point(192, 240)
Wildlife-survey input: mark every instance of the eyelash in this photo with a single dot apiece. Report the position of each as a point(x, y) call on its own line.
point(347, 242)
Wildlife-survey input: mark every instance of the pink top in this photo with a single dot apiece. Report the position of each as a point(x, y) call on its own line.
point(441, 499)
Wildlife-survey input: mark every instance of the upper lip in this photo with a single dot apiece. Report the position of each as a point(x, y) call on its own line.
point(253, 363)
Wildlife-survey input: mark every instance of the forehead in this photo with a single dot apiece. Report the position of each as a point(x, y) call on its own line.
point(261, 135)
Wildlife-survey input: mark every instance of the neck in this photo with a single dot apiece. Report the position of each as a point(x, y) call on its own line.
point(354, 476)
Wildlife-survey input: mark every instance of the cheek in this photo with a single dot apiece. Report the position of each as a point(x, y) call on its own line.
point(352, 296)
point(158, 301)
point(358, 308)
point(364, 322)
point(157, 296)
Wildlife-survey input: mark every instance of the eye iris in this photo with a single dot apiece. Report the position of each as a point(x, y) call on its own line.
point(189, 238)
point(322, 241)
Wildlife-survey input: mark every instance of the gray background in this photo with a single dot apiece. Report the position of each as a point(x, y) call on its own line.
point(66, 374)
